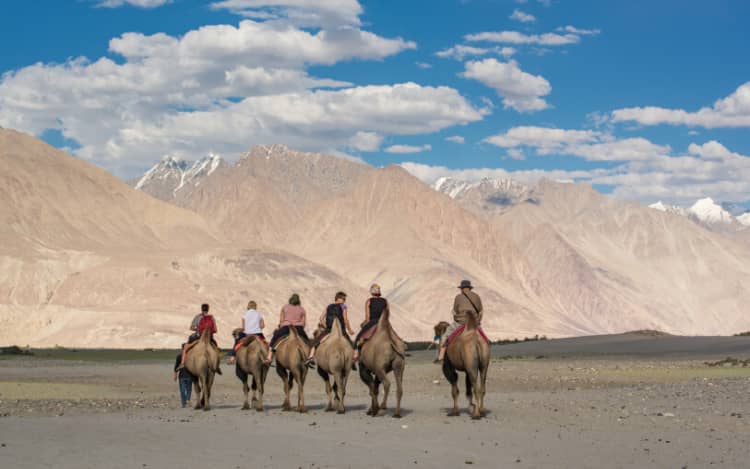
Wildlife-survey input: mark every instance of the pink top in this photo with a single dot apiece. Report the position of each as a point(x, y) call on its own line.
point(292, 315)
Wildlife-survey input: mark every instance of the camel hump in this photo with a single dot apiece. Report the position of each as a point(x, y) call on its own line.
point(336, 330)
point(471, 321)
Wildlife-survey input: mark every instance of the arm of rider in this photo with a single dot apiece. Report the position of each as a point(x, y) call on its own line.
point(322, 320)
point(243, 324)
point(367, 313)
point(281, 318)
point(481, 311)
point(262, 323)
point(175, 376)
point(346, 323)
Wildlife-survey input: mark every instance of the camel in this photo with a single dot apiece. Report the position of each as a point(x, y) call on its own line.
point(291, 354)
point(382, 353)
point(334, 359)
point(470, 353)
point(202, 361)
point(250, 361)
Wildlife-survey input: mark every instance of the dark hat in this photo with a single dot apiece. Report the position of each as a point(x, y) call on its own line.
point(465, 284)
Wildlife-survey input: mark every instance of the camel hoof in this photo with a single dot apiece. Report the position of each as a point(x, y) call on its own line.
point(455, 413)
point(329, 408)
point(246, 407)
point(397, 416)
point(286, 408)
point(206, 409)
point(301, 410)
point(476, 417)
point(341, 411)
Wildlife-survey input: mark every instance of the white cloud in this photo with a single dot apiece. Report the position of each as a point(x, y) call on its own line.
point(578, 31)
point(456, 139)
point(460, 52)
point(423, 65)
point(515, 37)
point(520, 90)
point(325, 13)
point(711, 170)
point(135, 3)
point(516, 154)
point(403, 149)
point(588, 144)
point(430, 174)
point(521, 16)
point(544, 139)
point(732, 111)
point(366, 141)
point(125, 113)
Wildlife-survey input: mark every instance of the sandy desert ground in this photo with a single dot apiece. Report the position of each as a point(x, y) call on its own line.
point(617, 401)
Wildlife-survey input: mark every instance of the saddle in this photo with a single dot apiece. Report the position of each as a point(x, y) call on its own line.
point(367, 334)
point(459, 330)
point(244, 341)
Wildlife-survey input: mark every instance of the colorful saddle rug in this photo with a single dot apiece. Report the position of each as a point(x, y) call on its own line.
point(367, 335)
point(459, 330)
point(240, 342)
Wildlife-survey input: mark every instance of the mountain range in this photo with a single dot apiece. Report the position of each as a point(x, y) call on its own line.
point(89, 261)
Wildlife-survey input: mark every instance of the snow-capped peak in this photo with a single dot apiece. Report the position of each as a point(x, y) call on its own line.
point(455, 188)
point(171, 174)
point(662, 207)
point(708, 211)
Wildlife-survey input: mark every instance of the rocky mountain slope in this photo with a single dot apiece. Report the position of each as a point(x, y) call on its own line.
point(88, 261)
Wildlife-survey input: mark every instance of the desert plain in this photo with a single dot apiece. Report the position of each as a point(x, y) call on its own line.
point(629, 400)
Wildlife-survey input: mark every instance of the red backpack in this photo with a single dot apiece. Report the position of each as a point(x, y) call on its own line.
point(206, 322)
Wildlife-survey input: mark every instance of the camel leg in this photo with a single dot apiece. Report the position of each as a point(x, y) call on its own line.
point(481, 387)
point(326, 379)
point(471, 380)
point(285, 378)
point(341, 390)
point(369, 379)
point(261, 381)
point(300, 378)
point(454, 394)
point(383, 377)
point(246, 391)
point(207, 390)
point(398, 373)
point(198, 394)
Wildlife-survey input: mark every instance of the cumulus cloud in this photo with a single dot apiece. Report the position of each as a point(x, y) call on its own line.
point(460, 52)
point(456, 139)
point(588, 144)
point(515, 37)
point(429, 174)
point(366, 141)
point(731, 111)
point(423, 65)
point(708, 170)
point(403, 149)
point(521, 16)
point(320, 13)
point(520, 90)
point(135, 3)
point(221, 88)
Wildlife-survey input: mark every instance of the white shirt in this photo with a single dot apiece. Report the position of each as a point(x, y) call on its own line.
point(252, 322)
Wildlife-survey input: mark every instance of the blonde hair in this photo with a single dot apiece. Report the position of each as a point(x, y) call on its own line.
point(375, 289)
point(251, 304)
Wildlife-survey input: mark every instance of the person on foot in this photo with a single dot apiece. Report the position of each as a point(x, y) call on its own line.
point(292, 315)
point(374, 308)
point(466, 301)
point(185, 380)
point(336, 311)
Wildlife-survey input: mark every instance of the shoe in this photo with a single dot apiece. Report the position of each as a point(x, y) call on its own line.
point(354, 367)
point(218, 370)
point(438, 360)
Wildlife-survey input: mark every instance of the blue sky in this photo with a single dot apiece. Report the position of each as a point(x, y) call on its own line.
point(602, 92)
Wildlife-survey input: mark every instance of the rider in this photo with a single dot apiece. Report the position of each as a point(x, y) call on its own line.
point(292, 315)
point(465, 302)
point(252, 324)
point(334, 311)
point(374, 308)
point(204, 321)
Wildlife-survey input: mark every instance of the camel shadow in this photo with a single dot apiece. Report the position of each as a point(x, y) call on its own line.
point(465, 412)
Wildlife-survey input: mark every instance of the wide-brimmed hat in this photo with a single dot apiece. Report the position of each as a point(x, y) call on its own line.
point(466, 284)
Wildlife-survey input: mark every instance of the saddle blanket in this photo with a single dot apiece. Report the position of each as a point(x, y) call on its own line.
point(367, 335)
point(241, 341)
point(459, 330)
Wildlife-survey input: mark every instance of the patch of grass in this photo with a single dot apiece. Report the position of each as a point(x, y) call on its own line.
point(743, 334)
point(15, 350)
point(730, 361)
point(105, 355)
